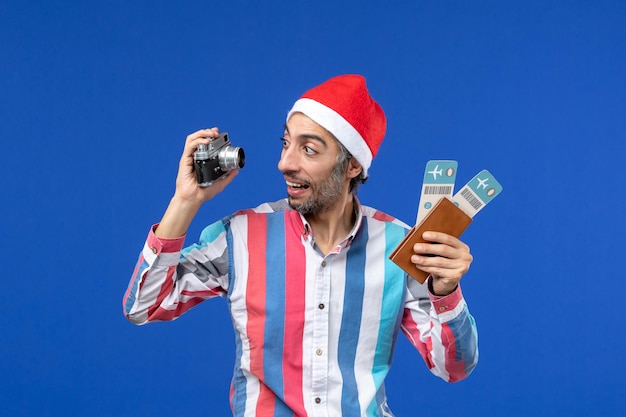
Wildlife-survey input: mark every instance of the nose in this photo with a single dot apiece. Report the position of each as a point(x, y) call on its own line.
point(288, 160)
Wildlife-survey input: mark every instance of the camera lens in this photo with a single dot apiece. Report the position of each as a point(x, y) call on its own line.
point(231, 158)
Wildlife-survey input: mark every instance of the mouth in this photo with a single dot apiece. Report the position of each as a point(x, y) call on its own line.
point(297, 186)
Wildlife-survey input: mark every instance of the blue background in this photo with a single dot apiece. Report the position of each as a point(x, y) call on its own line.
point(97, 98)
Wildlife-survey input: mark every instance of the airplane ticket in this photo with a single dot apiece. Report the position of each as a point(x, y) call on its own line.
point(477, 193)
point(439, 177)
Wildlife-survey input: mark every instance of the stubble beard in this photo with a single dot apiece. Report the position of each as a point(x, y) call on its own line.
point(325, 194)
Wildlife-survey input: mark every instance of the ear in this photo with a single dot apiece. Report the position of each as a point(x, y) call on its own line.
point(354, 168)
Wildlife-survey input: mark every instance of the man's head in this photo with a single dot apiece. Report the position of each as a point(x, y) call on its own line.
point(331, 136)
point(316, 167)
point(344, 107)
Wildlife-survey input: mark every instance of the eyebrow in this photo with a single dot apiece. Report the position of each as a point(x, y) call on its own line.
point(310, 136)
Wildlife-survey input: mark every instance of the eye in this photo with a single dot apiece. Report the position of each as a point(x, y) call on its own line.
point(285, 142)
point(309, 151)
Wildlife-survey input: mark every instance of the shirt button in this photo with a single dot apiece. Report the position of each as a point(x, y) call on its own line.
point(318, 352)
point(323, 263)
point(442, 308)
point(154, 250)
point(321, 306)
point(318, 400)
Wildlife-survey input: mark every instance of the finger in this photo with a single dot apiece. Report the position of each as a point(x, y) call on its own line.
point(437, 261)
point(220, 184)
point(200, 136)
point(433, 249)
point(227, 178)
point(448, 276)
point(193, 140)
point(439, 237)
point(444, 273)
point(204, 133)
point(449, 259)
point(439, 250)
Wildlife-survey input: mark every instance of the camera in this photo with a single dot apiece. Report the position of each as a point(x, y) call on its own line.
point(213, 160)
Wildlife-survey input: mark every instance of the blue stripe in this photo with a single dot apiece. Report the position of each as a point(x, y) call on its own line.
point(281, 409)
point(231, 260)
point(275, 307)
point(351, 321)
point(239, 379)
point(209, 234)
point(130, 301)
point(391, 316)
point(466, 336)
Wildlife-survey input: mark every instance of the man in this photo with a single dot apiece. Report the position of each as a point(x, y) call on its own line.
point(316, 303)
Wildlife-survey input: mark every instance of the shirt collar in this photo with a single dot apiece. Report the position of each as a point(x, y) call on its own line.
point(307, 232)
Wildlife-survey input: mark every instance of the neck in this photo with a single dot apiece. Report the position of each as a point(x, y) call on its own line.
point(332, 226)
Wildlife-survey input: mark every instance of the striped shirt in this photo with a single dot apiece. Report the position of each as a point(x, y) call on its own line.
point(314, 333)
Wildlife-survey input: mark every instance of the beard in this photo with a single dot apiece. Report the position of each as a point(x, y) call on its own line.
point(324, 194)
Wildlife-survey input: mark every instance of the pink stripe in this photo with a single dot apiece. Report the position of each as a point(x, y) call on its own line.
point(429, 347)
point(383, 217)
point(294, 322)
point(166, 288)
point(414, 335)
point(231, 396)
point(205, 293)
point(255, 307)
point(162, 314)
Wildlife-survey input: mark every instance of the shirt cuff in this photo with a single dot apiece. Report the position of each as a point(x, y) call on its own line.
point(445, 303)
point(158, 244)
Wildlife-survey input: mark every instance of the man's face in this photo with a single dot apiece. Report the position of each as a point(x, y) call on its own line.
point(309, 164)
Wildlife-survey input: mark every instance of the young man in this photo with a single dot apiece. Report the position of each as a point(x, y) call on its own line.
point(315, 301)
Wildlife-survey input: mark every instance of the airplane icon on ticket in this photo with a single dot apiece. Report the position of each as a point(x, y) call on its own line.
point(436, 170)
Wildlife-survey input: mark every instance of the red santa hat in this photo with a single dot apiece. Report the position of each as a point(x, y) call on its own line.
point(343, 106)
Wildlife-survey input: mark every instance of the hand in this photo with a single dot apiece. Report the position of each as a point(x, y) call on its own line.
point(187, 188)
point(189, 196)
point(445, 257)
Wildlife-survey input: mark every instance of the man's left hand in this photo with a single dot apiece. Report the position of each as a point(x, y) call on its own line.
point(445, 258)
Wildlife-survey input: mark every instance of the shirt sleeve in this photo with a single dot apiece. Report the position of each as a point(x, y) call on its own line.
point(442, 329)
point(168, 280)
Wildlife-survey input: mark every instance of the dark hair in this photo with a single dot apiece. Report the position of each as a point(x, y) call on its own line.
point(343, 158)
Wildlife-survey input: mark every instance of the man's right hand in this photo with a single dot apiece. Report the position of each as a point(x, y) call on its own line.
point(187, 187)
point(189, 196)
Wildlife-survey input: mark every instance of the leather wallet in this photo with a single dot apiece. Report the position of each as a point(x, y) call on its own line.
point(444, 217)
